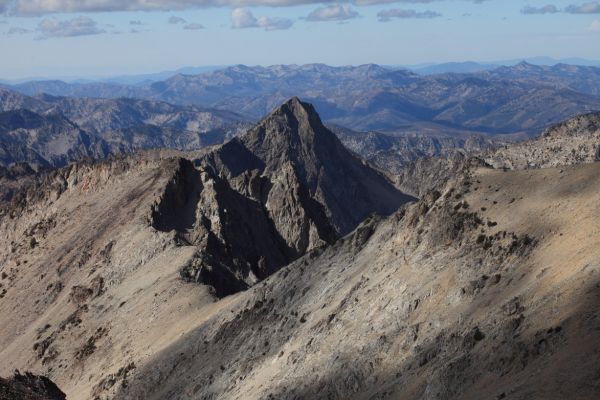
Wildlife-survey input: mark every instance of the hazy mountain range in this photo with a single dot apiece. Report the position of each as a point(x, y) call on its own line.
point(472, 66)
point(521, 99)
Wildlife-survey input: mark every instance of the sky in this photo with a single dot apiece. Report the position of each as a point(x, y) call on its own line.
point(100, 38)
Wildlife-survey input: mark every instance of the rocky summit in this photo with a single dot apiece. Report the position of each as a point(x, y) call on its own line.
point(279, 265)
point(260, 201)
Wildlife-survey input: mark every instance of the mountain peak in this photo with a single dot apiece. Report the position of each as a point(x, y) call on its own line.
point(292, 126)
point(296, 108)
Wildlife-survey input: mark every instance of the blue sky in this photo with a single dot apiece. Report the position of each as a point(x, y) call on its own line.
point(97, 37)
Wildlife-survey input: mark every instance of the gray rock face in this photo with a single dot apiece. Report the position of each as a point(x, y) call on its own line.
point(262, 200)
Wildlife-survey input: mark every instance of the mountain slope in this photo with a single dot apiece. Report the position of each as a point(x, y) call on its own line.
point(46, 140)
point(487, 293)
point(107, 127)
point(393, 154)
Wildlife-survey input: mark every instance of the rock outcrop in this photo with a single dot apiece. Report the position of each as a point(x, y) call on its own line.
point(29, 387)
point(575, 141)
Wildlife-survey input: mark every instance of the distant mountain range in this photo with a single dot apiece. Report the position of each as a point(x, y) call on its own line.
point(453, 67)
point(51, 131)
point(472, 66)
point(520, 99)
point(424, 68)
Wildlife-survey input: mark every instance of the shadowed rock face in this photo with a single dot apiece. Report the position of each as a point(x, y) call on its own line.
point(29, 387)
point(261, 201)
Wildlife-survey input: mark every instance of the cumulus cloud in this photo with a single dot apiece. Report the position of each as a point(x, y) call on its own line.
point(176, 20)
point(42, 7)
point(373, 2)
point(193, 27)
point(80, 26)
point(388, 15)
point(336, 12)
point(592, 7)
point(242, 18)
point(548, 9)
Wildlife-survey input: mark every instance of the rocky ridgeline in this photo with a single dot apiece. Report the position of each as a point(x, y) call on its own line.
point(575, 141)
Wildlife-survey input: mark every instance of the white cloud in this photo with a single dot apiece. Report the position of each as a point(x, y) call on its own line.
point(45, 7)
point(242, 18)
point(336, 12)
point(595, 26)
point(592, 7)
point(80, 26)
point(548, 9)
point(387, 15)
point(42, 7)
point(373, 2)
